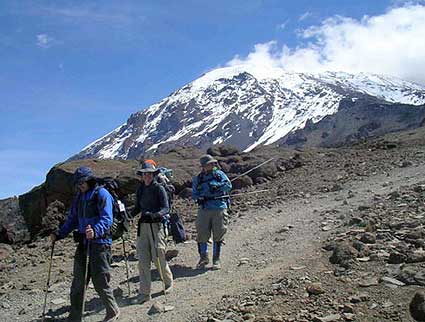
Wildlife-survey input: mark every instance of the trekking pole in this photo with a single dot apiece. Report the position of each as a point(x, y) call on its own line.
point(256, 167)
point(158, 263)
point(126, 265)
point(86, 273)
point(48, 281)
point(241, 194)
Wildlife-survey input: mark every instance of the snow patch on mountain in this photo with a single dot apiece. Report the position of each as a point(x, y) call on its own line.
point(245, 106)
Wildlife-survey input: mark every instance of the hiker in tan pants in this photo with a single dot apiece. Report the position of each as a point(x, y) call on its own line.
point(152, 203)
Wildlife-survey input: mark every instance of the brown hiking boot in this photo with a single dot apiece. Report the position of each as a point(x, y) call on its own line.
point(203, 261)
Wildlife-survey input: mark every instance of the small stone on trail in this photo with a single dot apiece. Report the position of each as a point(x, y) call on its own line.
point(243, 261)
point(368, 282)
point(393, 281)
point(329, 318)
point(315, 289)
point(158, 307)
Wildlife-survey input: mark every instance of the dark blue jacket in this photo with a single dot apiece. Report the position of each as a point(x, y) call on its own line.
point(92, 208)
point(210, 186)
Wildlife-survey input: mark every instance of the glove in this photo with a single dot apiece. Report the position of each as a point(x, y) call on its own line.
point(200, 200)
point(156, 216)
point(149, 217)
point(213, 187)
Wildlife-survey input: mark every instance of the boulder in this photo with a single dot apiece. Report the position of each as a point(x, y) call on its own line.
point(260, 180)
point(396, 258)
point(13, 228)
point(368, 238)
point(417, 306)
point(224, 166)
point(222, 150)
point(242, 182)
point(268, 170)
point(186, 193)
point(343, 255)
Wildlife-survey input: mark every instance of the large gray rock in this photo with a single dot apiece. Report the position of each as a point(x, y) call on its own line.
point(13, 228)
point(417, 306)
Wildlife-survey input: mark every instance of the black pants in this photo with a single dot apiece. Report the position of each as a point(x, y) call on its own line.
point(99, 265)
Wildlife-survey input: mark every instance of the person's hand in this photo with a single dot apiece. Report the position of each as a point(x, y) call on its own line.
point(200, 201)
point(89, 232)
point(53, 238)
point(213, 187)
point(155, 216)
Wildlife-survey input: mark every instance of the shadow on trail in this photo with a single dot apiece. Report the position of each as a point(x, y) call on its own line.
point(179, 271)
point(93, 305)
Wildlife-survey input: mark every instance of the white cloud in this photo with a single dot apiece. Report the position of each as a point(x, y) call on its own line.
point(283, 25)
point(391, 43)
point(44, 40)
point(305, 15)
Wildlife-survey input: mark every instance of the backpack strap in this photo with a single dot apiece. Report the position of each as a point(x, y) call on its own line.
point(107, 233)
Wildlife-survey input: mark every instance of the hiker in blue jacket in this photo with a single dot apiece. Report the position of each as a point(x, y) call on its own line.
point(91, 215)
point(210, 189)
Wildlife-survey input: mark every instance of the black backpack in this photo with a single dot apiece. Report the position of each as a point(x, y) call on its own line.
point(175, 224)
point(176, 228)
point(121, 219)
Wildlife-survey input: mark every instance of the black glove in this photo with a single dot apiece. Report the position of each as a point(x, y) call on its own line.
point(150, 217)
point(213, 187)
point(200, 200)
point(156, 216)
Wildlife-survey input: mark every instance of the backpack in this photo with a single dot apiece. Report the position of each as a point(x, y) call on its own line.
point(176, 227)
point(121, 219)
point(164, 179)
point(174, 223)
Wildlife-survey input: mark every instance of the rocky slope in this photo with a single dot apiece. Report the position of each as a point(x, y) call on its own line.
point(332, 240)
point(246, 108)
point(36, 211)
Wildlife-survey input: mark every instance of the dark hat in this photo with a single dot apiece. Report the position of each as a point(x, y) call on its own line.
point(207, 159)
point(147, 167)
point(83, 174)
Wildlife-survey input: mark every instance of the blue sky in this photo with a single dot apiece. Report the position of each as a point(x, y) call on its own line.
point(71, 71)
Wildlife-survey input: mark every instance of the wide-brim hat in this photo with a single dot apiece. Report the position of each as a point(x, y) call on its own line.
point(207, 159)
point(147, 167)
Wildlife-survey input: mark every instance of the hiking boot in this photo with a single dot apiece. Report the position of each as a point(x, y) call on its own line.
point(216, 264)
point(112, 318)
point(203, 261)
point(168, 288)
point(73, 319)
point(140, 299)
point(170, 254)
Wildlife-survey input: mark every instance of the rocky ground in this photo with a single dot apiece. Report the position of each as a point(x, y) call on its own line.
point(338, 238)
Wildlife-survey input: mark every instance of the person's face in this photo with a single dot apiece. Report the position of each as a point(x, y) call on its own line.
point(209, 167)
point(147, 178)
point(83, 187)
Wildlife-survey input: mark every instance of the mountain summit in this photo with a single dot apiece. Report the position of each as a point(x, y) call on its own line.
point(246, 107)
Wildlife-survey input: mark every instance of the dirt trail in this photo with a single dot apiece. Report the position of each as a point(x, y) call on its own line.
point(259, 245)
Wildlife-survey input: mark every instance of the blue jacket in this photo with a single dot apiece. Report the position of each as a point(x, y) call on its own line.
point(89, 209)
point(208, 187)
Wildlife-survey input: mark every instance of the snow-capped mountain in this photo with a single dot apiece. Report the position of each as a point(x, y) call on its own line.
point(245, 107)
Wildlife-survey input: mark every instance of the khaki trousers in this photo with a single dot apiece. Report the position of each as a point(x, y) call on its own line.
point(211, 220)
point(148, 249)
